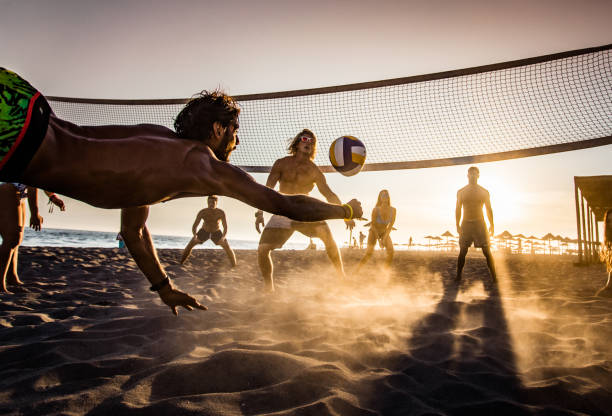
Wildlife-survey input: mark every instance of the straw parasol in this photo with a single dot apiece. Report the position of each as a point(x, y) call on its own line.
point(549, 237)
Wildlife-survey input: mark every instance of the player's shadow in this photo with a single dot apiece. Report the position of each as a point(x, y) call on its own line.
point(459, 360)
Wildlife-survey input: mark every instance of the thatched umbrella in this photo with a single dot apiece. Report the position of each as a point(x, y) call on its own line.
point(548, 237)
point(447, 234)
point(428, 238)
point(520, 237)
point(505, 236)
point(436, 238)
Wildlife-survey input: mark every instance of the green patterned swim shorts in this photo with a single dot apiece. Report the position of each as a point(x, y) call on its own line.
point(24, 117)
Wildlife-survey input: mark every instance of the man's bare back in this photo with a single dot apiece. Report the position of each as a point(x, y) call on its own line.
point(127, 170)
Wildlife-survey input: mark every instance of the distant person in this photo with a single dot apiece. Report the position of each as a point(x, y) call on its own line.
point(473, 229)
point(311, 245)
point(132, 167)
point(297, 174)
point(362, 237)
point(354, 242)
point(606, 255)
point(121, 243)
point(410, 242)
point(210, 217)
point(12, 225)
point(383, 218)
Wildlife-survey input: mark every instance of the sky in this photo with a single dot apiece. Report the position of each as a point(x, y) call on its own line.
point(160, 49)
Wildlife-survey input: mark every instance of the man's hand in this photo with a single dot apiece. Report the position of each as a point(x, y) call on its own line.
point(357, 210)
point(57, 202)
point(174, 297)
point(36, 221)
point(259, 220)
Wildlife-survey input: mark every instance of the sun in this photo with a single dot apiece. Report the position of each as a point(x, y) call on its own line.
point(505, 200)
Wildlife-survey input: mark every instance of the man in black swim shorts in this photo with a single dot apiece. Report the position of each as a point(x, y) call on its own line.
point(473, 229)
point(211, 217)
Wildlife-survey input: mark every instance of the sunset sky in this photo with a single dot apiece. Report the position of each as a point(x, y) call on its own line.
point(160, 49)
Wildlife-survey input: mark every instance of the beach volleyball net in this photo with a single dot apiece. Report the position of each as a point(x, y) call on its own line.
point(514, 109)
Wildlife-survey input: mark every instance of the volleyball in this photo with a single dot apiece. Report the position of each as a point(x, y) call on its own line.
point(347, 155)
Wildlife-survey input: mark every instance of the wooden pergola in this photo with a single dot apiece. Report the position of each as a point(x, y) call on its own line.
point(593, 196)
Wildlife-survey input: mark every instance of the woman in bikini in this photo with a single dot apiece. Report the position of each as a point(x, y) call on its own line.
point(383, 218)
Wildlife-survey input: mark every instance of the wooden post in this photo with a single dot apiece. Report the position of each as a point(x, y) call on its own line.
point(586, 253)
point(578, 221)
point(591, 251)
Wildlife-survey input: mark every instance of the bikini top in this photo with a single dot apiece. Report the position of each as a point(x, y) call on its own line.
point(379, 219)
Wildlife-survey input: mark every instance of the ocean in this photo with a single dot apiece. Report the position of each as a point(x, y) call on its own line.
point(51, 237)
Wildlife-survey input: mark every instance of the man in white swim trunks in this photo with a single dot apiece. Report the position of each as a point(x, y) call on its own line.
point(296, 174)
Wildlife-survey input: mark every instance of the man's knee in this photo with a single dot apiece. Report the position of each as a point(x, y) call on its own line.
point(264, 249)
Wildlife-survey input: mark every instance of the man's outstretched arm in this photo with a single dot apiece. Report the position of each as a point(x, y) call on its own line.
point(139, 243)
point(236, 183)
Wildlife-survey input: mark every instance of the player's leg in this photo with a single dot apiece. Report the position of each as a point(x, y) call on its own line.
point(369, 249)
point(486, 250)
point(321, 230)
point(187, 250)
point(10, 216)
point(388, 243)
point(219, 240)
point(271, 238)
point(12, 277)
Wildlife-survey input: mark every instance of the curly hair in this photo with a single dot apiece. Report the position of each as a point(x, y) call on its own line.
point(605, 254)
point(293, 145)
point(196, 119)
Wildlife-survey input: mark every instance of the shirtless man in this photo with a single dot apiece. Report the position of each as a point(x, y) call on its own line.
point(296, 174)
point(132, 167)
point(473, 228)
point(211, 218)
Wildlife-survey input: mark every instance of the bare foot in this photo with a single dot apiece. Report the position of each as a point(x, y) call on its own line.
point(13, 280)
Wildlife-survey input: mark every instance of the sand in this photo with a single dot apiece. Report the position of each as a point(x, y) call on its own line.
point(88, 338)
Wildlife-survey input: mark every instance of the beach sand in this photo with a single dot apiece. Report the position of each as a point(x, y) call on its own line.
point(89, 338)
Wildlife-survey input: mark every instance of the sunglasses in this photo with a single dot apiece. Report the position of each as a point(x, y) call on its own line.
point(307, 139)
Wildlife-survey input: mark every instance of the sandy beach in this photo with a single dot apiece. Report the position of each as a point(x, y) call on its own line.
point(88, 338)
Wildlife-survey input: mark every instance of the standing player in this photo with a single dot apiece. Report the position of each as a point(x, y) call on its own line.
point(211, 218)
point(296, 174)
point(383, 218)
point(473, 228)
point(12, 225)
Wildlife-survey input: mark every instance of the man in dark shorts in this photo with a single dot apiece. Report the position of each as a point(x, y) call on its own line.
point(473, 229)
point(132, 167)
point(297, 174)
point(211, 217)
